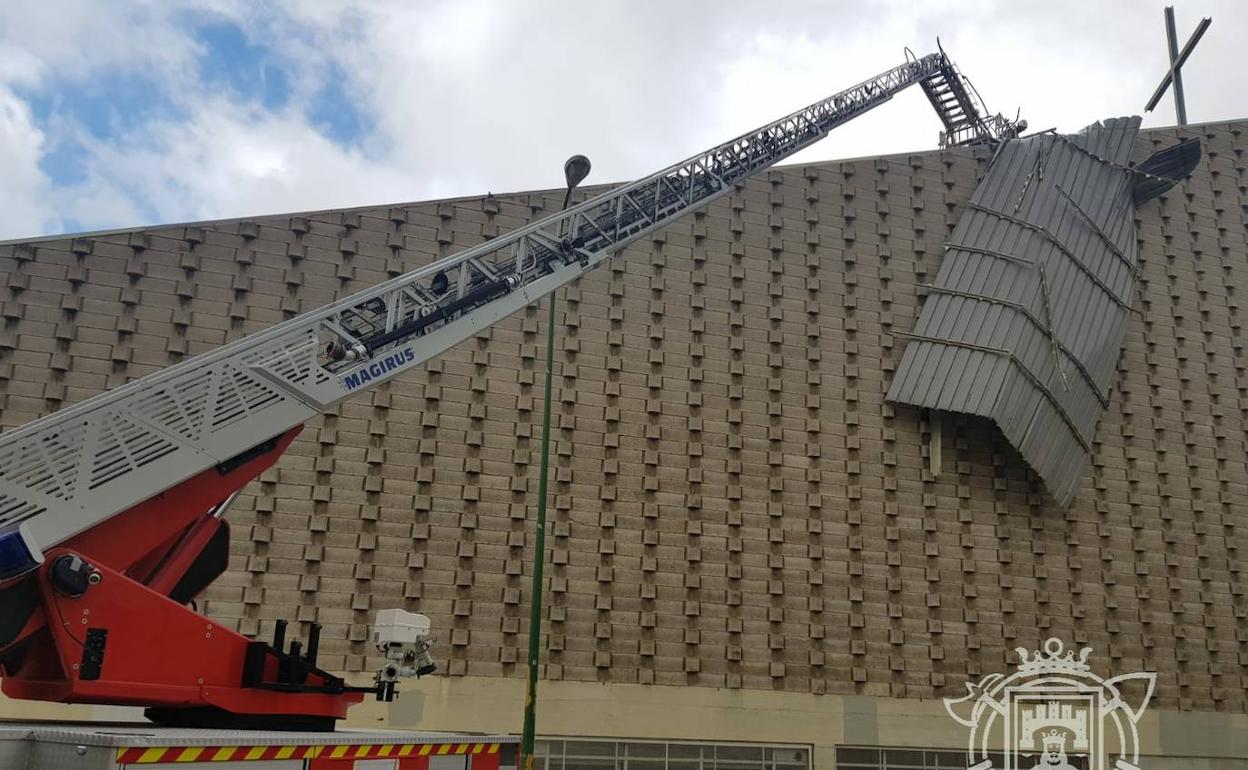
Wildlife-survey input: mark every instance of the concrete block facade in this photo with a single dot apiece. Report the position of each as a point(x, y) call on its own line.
point(734, 505)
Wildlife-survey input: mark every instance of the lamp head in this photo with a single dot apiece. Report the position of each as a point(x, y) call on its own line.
point(575, 170)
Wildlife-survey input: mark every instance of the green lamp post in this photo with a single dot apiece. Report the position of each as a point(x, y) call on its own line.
point(574, 171)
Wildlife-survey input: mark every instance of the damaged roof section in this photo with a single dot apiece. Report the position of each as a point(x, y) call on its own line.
point(1026, 318)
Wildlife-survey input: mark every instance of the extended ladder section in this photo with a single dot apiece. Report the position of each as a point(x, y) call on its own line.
point(73, 469)
point(960, 111)
point(953, 105)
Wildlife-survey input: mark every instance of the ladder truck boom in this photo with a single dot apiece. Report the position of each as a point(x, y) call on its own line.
point(125, 489)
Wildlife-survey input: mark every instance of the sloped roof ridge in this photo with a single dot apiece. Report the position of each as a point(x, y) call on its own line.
point(432, 201)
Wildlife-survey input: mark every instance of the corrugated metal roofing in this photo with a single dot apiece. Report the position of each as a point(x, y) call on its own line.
point(1025, 320)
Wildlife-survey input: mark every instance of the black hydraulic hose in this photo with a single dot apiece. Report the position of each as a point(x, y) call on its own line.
point(472, 298)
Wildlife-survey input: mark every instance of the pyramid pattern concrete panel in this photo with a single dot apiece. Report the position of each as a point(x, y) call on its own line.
point(735, 505)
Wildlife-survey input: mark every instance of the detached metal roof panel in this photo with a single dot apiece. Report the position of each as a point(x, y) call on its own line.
point(1025, 320)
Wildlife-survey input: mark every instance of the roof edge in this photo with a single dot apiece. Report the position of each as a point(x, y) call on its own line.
point(554, 190)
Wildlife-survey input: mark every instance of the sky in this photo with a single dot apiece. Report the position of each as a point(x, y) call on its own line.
point(141, 112)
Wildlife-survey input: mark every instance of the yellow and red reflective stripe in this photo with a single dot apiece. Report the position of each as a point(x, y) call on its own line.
point(196, 754)
point(190, 754)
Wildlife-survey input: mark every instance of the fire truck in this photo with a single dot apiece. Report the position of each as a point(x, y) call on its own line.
point(112, 511)
point(62, 746)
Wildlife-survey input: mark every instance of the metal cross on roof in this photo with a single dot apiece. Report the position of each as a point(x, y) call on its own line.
point(1177, 60)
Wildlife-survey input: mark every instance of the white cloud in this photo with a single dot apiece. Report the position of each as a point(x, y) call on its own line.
point(475, 96)
point(24, 189)
point(228, 160)
point(75, 39)
point(777, 73)
point(42, 44)
point(479, 95)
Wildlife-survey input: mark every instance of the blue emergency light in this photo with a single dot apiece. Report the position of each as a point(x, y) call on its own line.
point(18, 554)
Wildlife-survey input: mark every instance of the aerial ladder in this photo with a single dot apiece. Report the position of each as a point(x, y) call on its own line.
point(111, 510)
point(961, 110)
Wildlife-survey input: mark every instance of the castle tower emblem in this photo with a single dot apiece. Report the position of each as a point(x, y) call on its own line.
point(1053, 713)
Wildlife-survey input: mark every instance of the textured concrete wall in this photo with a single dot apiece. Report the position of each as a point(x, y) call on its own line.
point(735, 506)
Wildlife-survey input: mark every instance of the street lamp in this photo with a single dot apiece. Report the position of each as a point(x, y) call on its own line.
point(575, 169)
point(574, 172)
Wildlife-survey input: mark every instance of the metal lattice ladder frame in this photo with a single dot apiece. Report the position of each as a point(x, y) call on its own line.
point(70, 470)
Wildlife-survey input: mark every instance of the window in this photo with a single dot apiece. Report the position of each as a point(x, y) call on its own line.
point(854, 758)
point(560, 754)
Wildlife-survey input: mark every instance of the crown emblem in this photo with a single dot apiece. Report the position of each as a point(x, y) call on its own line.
point(1053, 659)
point(1053, 740)
point(1053, 703)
